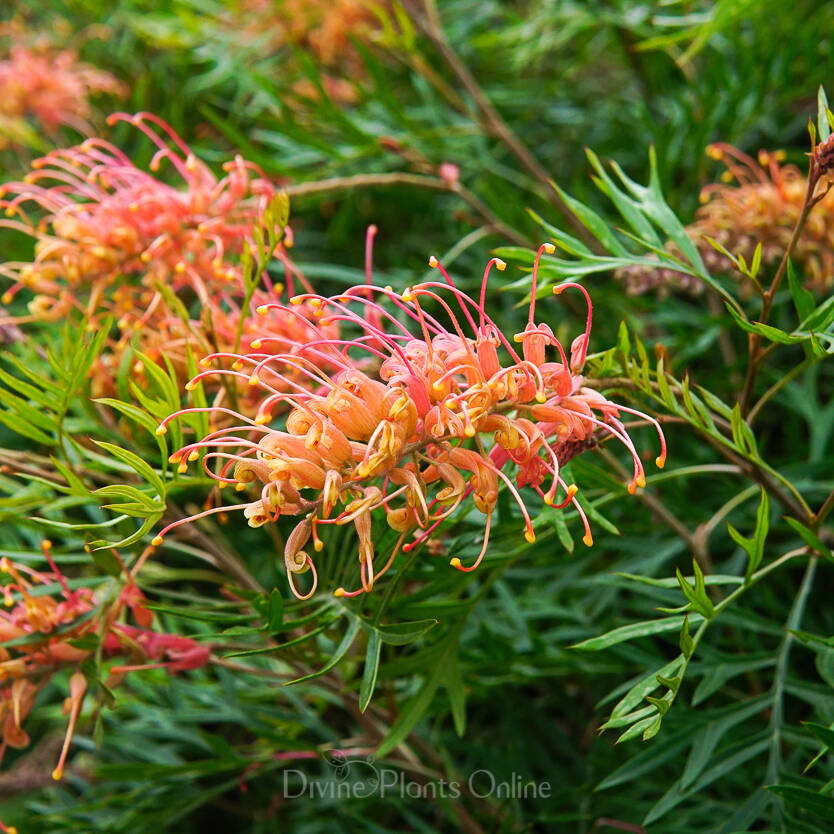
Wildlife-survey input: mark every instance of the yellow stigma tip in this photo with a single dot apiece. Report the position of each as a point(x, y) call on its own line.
point(541, 397)
point(205, 362)
point(254, 379)
point(500, 265)
point(57, 774)
point(195, 455)
point(237, 364)
point(572, 490)
point(156, 541)
point(182, 468)
point(588, 540)
point(190, 386)
point(408, 295)
point(222, 485)
point(261, 309)
point(240, 487)
point(161, 429)
point(558, 290)
point(46, 544)
point(433, 262)
point(6, 298)
point(455, 563)
point(641, 481)
point(660, 462)
point(339, 592)
point(318, 546)
point(530, 536)
point(257, 344)
point(549, 248)
point(296, 300)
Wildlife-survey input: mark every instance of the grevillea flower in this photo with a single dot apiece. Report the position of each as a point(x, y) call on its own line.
point(49, 86)
point(324, 28)
point(453, 411)
point(38, 631)
point(103, 222)
point(756, 202)
point(117, 240)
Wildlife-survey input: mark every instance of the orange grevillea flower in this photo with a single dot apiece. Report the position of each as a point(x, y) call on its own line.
point(50, 86)
point(453, 411)
point(324, 28)
point(37, 634)
point(99, 221)
point(758, 201)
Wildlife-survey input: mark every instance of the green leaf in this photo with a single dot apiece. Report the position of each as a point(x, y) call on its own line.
point(146, 472)
point(811, 539)
point(106, 562)
point(340, 651)
point(643, 687)
point(819, 804)
point(399, 634)
point(822, 115)
point(687, 645)
point(275, 611)
point(366, 687)
point(696, 594)
point(453, 682)
point(803, 300)
point(630, 632)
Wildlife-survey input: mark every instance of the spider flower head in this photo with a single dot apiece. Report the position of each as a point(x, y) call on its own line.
point(454, 411)
point(757, 201)
point(104, 221)
point(38, 628)
point(49, 86)
point(326, 29)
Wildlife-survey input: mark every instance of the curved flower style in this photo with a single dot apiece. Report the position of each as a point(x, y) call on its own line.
point(108, 221)
point(756, 202)
point(52, 87)
point(452, 412)
point(37, 635)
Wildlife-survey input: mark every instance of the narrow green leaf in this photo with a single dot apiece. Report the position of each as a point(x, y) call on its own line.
point(366, 687)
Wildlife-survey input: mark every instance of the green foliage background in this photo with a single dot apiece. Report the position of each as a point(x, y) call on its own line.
point(513, 668)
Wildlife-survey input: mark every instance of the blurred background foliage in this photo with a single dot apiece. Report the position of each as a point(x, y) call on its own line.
point(443, 125)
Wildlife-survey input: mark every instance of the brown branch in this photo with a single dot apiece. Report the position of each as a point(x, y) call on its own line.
point(418, 181)
point(490, 119)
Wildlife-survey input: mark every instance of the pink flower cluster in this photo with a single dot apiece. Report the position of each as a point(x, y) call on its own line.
point(38, 632)
point(51, 87)
point(449, 411)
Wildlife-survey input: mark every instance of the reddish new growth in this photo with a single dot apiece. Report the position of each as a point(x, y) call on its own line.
point(49, 86)
point(37, 634)
point(453, 412)
point(756, 202)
